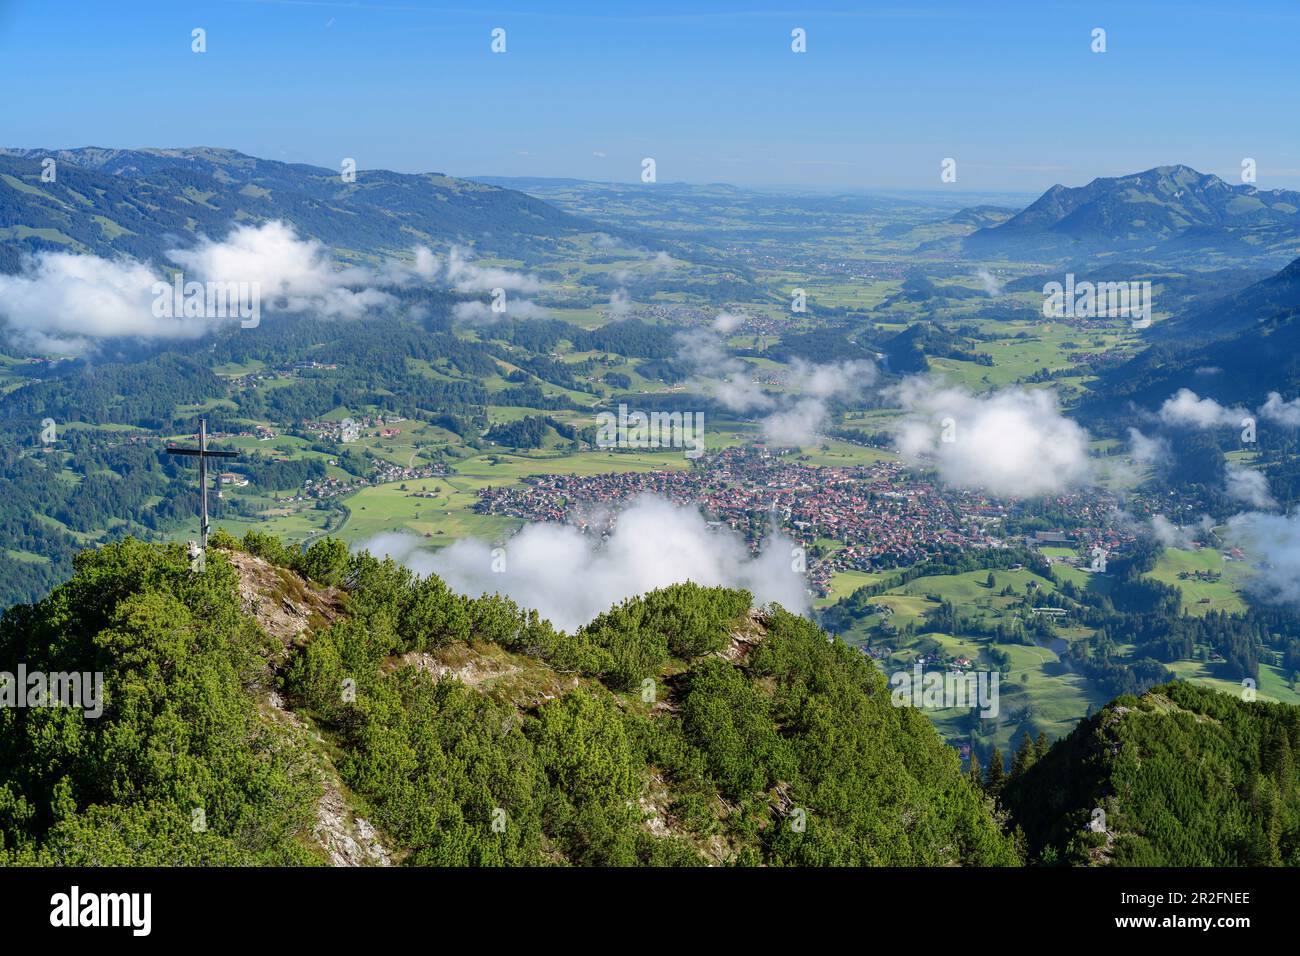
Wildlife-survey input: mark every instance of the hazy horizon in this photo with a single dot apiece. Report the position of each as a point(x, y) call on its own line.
point(880, 97)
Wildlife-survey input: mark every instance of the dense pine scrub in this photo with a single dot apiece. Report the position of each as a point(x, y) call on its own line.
point(679, 728)
point(659, 747)
point(180, 768)
point(1183, 776)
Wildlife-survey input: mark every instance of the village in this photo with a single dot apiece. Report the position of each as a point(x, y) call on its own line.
point(883, 515)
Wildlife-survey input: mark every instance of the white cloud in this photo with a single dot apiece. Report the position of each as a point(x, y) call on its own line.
point(1180, 536)
point(1249, 486)
point(295, 275)
point(1147, 451)
point(1186, 408)
point(739, 393)
point(620, 306)
point(1274, 542)
point(480, 313)
point(799, 421)
point(989, 282)
point(1013, 442)
point(845, 380)
point(570, 577)
point(795, 425)
point(1284, 413)
point(426, 264)
point(795, 417)
point(728, 322)
point(705, 352)
point(463, 276)
point(63, 302)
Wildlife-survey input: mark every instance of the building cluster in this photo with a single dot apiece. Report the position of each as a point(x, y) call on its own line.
point(253, 379)
point(350, 429)
point(883, 515)
point(315, 489)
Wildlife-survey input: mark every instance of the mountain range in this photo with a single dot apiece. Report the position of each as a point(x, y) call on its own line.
point(140, 202)
point(143, 202)
point(1163, 213)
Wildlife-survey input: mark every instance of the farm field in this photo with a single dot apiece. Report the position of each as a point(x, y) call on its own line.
point(844, 583)
point(1200, 597)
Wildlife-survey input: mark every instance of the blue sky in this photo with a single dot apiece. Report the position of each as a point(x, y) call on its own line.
point(884, 92)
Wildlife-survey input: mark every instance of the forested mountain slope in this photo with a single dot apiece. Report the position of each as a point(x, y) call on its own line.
point(143, 203)
point(1183, 776)
point(1273, 297)
point(391, 720)
point(312, 707)
point(1237, 349)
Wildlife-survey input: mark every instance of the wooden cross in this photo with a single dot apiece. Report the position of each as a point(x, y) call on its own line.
point(203, 453)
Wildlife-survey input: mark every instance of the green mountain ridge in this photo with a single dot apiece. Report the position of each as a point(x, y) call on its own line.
point(1236, 349)
point(1272, 297)
point(1183, 776)
point(142, 203)
point(318, 707)
point(676, 729)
